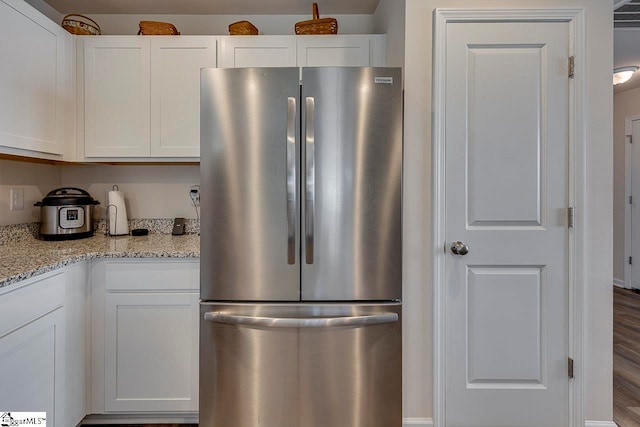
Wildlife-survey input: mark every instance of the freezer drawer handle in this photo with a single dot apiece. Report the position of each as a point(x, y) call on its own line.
point(291, 180)
point(307, 322)
point(310, 185)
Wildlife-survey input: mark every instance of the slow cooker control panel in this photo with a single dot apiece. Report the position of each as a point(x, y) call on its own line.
point(71, 217)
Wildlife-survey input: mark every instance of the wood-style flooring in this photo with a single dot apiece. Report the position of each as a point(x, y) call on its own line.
point(626, 357)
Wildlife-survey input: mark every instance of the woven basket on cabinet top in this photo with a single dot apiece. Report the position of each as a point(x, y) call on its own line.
point(80, 25)
point(243, 28)
point(317, 25)
point(155, 28)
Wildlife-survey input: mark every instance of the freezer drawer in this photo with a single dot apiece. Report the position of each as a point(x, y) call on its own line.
point(300, 365)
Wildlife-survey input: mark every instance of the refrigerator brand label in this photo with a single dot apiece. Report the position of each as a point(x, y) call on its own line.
point(383, 80)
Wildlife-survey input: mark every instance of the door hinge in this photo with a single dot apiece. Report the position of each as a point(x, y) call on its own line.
point(571, 216)
point(630, 200)
point(572, 67)
point(570, 368)
point(630, 260)
point(630, 139)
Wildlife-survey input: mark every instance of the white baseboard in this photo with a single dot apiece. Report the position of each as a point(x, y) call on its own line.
point(600, 424)
point(619, 283)
point(417, 422)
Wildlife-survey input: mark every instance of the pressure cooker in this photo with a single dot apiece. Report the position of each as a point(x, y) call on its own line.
point(66, 213)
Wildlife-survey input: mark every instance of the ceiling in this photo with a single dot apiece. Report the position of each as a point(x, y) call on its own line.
point(214, 7)
point(626, 43)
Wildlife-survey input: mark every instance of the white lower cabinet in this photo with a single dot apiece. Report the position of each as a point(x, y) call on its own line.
point(32, 349)
point(104, 338)
point(151, 352)
point(144, 336)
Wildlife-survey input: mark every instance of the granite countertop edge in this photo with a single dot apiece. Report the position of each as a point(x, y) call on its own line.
point(43, 257)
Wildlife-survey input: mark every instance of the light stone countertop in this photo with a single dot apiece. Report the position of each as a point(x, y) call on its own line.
point(28, 258)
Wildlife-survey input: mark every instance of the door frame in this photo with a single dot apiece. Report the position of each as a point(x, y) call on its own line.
point(577, 191)
point(628, 224)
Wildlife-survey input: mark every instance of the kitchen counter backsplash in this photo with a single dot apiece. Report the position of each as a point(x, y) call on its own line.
point(20, 232)
point(154, 225)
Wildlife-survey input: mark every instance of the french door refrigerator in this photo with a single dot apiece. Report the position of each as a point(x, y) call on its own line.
point(301, 251)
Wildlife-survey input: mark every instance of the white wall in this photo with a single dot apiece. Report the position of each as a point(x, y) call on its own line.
point(47, 10)
point(150, 191)
point(598, 217)
point(219, 24)
point(625, 104)
point(389, 19)
point(35, 179)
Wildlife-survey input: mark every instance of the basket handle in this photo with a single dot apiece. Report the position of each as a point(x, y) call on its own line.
point(316, 14)
point(84, 17)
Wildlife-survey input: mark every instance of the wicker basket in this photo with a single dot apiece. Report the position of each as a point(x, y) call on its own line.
point(155, 28)
point(317, 25)
point(243, 28)
point(80, 25)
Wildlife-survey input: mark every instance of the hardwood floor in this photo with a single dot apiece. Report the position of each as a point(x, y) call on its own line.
point(626, 357)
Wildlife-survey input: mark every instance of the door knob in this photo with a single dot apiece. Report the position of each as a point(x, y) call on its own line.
point(459, 248)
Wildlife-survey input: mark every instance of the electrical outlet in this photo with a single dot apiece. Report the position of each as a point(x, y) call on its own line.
point(194, 194)
point(17, 199)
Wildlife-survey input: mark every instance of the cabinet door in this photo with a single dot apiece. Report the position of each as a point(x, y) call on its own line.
point(151, 352)
point(32, 368)
point(175, 93)
point(346, 51)
point(257, 51)
point(117, 96)
point(35, 80)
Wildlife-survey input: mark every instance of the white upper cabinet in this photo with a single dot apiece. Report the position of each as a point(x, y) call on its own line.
point(142, 95)
point(175, 93)
point(336, 50)
point(302, 51)
point(36, 82)
point(257, 51)
point(117, 96)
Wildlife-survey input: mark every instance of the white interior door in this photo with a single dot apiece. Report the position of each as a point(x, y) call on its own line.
point(634, 280)
point(506, 185)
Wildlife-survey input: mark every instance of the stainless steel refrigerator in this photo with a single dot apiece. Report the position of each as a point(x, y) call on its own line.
point(301, 251)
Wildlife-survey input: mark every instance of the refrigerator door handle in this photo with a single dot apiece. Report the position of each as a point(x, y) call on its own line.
point(306, 322)
point(291, 180)
point(310, 186)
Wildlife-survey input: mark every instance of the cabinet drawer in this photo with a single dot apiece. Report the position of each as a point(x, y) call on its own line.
point(152, 276)
point(26, 302)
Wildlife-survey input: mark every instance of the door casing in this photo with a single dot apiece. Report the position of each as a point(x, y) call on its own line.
point(577, 190)
point(628, 223)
